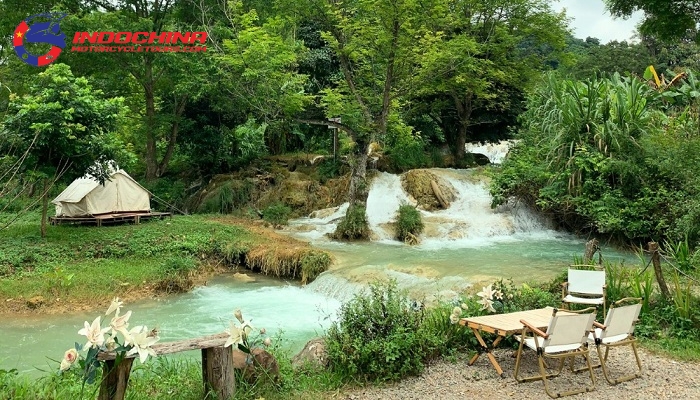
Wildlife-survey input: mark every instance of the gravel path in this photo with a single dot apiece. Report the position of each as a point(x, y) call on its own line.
point(661, 378)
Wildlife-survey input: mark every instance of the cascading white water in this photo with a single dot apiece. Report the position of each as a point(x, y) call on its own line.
point(496, 152)
point(385, 197)
point(319, 223)
point(469, 221)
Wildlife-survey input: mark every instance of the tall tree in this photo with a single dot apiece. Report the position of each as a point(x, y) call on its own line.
point(668, 19)
point(60, 130)
point(375, 43)
point(485, 54)
point(165, 82)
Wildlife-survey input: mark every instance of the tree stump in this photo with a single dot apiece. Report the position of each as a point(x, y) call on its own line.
point(218, 372)
point(591, 248)
point(116, 379)
point(656, 261)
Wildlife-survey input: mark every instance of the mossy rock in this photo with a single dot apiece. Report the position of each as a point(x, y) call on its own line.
point(417, 183)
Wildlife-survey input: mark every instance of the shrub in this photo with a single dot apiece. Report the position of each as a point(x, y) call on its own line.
point(408, 224)
point(313, 264)
point(277, 214)
point(354, 225)
point(176, 274)
point(328, 169)
point(376, 337)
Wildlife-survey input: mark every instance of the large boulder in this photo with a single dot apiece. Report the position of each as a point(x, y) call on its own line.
point(430, 191)
point(314, 354)
point(259, 363)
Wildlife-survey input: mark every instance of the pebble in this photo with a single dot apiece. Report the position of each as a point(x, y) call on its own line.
point(662, 378)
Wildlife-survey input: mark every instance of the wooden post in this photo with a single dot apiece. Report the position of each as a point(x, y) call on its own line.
point(656, 260)
point(116, 379)
point(218, 372)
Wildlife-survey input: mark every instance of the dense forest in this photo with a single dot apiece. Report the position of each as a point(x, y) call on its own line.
point(606, 144)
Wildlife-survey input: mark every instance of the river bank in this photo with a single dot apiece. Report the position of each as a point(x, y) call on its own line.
point(83, 268)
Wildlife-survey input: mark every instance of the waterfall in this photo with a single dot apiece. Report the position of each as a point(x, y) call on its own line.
point(343, 286)
point(469, 221)
point(385, 197)
point(318, 224)
point(496, 152)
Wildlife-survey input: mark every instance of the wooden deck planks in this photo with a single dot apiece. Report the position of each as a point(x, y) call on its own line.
point(100, 219)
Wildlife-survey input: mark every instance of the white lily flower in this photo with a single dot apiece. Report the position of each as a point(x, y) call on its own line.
point(142, 342)
point(456, 311)
point(235, 336)
point(94, 333)
point(267, 342)
point(121, 323)
point(498, 294)
point(128, 336)
point(64, 365)
point(487, 304)
point(114, 306)
point(486, 293)
point(454, 319)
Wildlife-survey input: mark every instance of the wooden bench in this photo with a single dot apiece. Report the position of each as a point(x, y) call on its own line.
point(217, 367)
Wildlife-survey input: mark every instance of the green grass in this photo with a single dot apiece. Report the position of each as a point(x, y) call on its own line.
point(88, 263)
point(170, 378)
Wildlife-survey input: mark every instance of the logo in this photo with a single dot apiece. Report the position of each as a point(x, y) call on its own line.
point(40, 32)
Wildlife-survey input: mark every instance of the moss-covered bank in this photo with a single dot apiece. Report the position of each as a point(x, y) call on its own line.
point(80, 268)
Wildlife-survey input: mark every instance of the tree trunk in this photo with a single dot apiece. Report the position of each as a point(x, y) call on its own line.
point(116, 379)
point(359, 188)
point(149, 95)
point(44, 207)
point(218, 372)
point(460, 143)
point(656, 260)
point(172, 140)
point(464, 114)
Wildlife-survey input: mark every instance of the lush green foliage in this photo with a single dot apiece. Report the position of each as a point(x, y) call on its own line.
point(354, 225)
point(408, 221)
point(377, 337)
point(277, 214)
point(602, 155)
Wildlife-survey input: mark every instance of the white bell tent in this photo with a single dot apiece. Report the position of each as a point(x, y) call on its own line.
point(120, 194)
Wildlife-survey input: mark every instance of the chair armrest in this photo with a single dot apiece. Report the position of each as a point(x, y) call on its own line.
point(534, 329)
point(564, 289)
point(599, 325)
point(584, 311)
point(628, 299)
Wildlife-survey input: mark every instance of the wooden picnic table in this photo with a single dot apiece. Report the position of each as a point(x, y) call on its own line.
point(504, 325)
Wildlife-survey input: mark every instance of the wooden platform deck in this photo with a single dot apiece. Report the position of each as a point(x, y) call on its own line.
point(112, 218)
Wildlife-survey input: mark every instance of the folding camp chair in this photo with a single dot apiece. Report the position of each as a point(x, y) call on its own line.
point(618, 331)
point(566, 337)
point(584, 287)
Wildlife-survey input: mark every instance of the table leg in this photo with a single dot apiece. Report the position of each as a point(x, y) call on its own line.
point(488, 350)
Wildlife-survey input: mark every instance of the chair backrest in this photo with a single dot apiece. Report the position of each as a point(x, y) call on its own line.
point(621, 320)
point(569, 329)
point(586, 281)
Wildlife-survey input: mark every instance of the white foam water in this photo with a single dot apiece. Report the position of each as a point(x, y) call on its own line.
point(496, 152)
point(385, 197)
point(469, 222)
